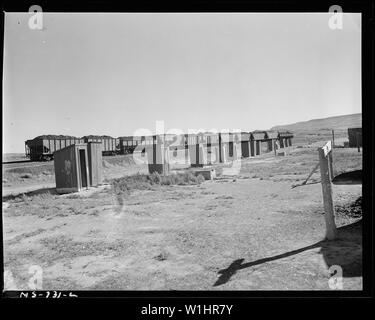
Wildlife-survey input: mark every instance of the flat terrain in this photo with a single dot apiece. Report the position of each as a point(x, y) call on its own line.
point(255, 230)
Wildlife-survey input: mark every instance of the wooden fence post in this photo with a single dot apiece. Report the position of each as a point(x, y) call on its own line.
point(331, 231)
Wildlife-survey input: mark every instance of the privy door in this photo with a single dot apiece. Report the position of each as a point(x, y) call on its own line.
point(83, 168)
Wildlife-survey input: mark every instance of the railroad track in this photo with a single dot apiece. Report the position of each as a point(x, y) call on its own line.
point(17, 161)
point(28, 163)
point(24, 164)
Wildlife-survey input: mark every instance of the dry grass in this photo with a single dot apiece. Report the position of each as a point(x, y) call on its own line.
point(147, 181)
point(295, 167)
point(64, 247)
point(33, 170)
point(49, 205)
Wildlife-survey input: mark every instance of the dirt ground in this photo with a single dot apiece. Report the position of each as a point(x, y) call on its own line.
point(256, 230)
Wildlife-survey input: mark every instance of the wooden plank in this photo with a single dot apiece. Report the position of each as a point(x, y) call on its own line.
point(311, 173)
point(330, 164)
point(331, 230)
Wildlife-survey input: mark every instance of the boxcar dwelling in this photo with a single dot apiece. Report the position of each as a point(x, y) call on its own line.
point(157, 156)
point(198, 155)
point(258, 137)
point(252, 145)
point(78, 167)
point(234, 144)
point(223, 143)
point(271, 138)
point(245, 144)
point(212, 147)
point(42, 148)
point(285, 139)
point(355, 137)
point(197, 146)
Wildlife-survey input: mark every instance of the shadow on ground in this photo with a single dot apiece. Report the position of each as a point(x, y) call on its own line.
point(31, 193)
point(345, 251)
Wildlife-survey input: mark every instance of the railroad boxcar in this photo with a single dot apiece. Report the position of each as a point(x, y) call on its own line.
point(42, 148)
point(147, 140)
point(129, 143)
point(110, 145)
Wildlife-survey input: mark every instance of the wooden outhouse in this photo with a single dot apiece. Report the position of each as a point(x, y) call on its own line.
point(258, 136)
point(245, 144)
point(285, 138)
point(78, 167)
point(271, 138)
point(94, 152)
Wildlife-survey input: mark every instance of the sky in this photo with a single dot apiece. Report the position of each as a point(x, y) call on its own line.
point(114, 74)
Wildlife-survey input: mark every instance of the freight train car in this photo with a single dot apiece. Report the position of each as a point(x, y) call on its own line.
point(129, 143)
point(171, 140)
point(110, 145)
point(41, 148)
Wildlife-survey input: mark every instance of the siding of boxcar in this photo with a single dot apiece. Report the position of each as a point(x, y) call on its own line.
point(109, 144)
point(128, 144)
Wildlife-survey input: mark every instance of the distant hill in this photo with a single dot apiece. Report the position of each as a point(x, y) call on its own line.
point(307, 132)
point(332, 123)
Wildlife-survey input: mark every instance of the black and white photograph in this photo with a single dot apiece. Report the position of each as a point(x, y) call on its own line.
point(182, 151)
